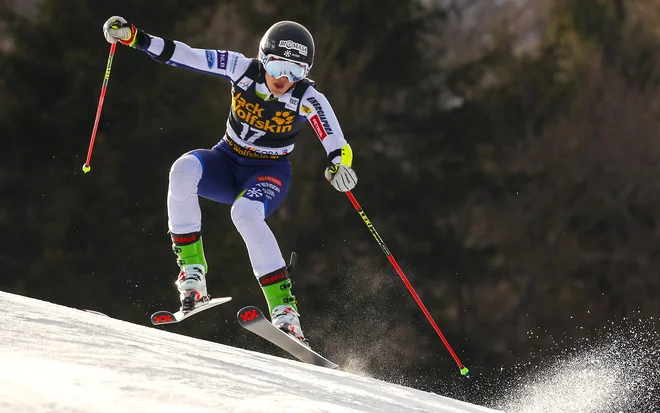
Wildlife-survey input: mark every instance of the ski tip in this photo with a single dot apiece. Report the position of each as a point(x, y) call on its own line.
point(248, 314)
point(465, 372)
point(162, 317)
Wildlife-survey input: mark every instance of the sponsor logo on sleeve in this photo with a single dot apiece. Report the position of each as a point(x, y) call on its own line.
point(210, 58)
point(318, 128)
point(222, 59)
point(322, 121)
point(233, 63)
point(306, 109)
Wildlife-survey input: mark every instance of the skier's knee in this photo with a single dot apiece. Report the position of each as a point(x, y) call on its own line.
point(248, 217)
point(184, 177)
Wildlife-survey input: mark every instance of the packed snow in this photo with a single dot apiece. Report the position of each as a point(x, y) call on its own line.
point(58, 359)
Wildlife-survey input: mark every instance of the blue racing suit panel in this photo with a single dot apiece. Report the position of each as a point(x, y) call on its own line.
point(227, 176)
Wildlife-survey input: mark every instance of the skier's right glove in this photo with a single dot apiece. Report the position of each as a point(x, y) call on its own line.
point(117, 29)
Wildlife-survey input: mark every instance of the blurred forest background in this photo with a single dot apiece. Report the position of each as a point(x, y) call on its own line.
point(507, 152)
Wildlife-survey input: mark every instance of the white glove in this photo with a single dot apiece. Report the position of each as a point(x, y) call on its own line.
point(117, 29)
point(342, 177)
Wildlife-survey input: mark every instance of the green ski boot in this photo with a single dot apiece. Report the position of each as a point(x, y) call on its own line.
point(191, 282)
point(282, 304)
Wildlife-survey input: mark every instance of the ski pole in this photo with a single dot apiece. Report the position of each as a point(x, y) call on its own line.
point(86, 168)
point(464, 370)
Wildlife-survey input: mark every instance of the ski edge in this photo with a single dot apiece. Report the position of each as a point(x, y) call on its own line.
point(96, 312)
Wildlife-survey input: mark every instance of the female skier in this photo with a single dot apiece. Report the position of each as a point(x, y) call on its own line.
point(249, 168)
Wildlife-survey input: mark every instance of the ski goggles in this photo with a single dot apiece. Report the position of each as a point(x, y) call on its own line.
point(278, 68)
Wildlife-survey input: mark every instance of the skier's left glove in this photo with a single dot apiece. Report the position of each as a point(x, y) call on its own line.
point(341, 175)
point(117, 29)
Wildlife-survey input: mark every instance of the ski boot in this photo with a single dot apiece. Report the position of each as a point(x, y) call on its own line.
point(282, 305)
point(191, 281)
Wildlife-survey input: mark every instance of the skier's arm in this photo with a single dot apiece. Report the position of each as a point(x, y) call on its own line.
point(319, 113)
point(230, 65)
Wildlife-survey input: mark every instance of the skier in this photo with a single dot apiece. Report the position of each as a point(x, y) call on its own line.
point(271, 100)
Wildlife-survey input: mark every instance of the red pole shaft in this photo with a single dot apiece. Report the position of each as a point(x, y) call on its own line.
point(390, 257)
point(104, 88)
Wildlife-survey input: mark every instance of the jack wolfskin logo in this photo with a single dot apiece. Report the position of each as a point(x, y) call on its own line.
point(283, 118)
point(253, 115)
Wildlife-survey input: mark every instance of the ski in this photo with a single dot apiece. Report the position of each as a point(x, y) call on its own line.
point(252, 319)
point(165, 317)
point(96, 312)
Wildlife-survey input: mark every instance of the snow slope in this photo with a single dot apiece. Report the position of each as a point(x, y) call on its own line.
point(58, 359)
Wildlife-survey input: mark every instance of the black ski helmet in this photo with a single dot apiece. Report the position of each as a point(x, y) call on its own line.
point(288, 40)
